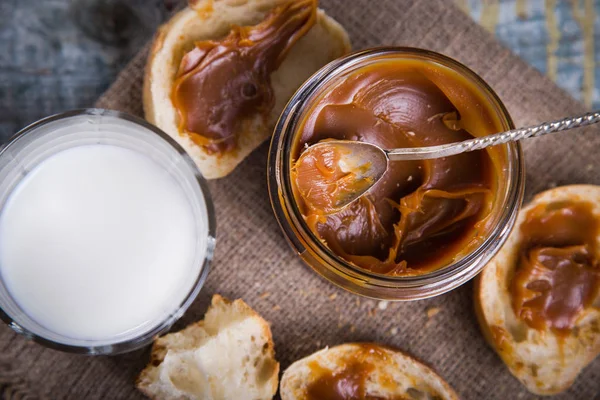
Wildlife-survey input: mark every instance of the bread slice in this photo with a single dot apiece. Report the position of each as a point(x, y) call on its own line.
point(543, 362)
point(390, 374)
point(228, 355)
point(212, 19)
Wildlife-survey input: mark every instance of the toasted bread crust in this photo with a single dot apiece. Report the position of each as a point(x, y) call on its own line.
point(495, 328)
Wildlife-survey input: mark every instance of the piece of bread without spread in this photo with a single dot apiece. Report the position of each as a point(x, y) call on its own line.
point(544, 362)
point(362, 370)
point(228, 355)
point(212, 20)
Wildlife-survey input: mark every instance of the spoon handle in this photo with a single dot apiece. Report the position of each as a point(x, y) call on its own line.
point(445, 150)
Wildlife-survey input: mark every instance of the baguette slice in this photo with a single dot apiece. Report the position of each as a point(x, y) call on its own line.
point(212, 19)
point(391, 374)
point(228, 355)
point(543, 362)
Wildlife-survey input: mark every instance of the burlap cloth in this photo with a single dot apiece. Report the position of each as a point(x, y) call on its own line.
point(254, 262)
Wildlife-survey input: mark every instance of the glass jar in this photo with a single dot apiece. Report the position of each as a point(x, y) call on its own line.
point(45, 138)
point(509, 191)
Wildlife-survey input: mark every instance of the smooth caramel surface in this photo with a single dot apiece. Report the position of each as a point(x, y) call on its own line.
point(222, 83)
point(422, 214)
point(557, 275)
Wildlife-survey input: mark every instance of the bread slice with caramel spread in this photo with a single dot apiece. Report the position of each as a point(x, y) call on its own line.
point(228, 355)
point(362, 371)
point(538, 300)
point(221, 71)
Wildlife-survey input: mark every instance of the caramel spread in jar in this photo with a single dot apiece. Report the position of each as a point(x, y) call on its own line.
point(221, 83)
point(349, 382)
point(422, 215)
point(558, 274)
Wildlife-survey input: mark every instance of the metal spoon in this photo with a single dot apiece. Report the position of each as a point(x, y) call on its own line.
point(369, 162)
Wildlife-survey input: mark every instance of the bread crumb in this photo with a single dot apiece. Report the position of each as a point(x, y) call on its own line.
point(589, 167)
point(372, 312)
point(394, 331)
point(218, 333)
point(410, 178)
point(382, 305)
point(276, 307)
point(332, 296)
point(357, 302)
point(352, 328)
point(411, 133)
point(433, 311)
point(264, 295)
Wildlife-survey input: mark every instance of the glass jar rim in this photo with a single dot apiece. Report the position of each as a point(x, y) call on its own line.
point(145, 337)
point(426, 285)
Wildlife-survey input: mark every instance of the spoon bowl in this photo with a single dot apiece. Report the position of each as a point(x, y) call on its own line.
point(361, 158)
point(332, 174)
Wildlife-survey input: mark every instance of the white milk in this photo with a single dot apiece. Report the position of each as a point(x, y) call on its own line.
point(96, 241)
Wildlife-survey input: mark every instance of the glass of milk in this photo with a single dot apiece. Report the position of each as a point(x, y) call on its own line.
point(106, 232)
